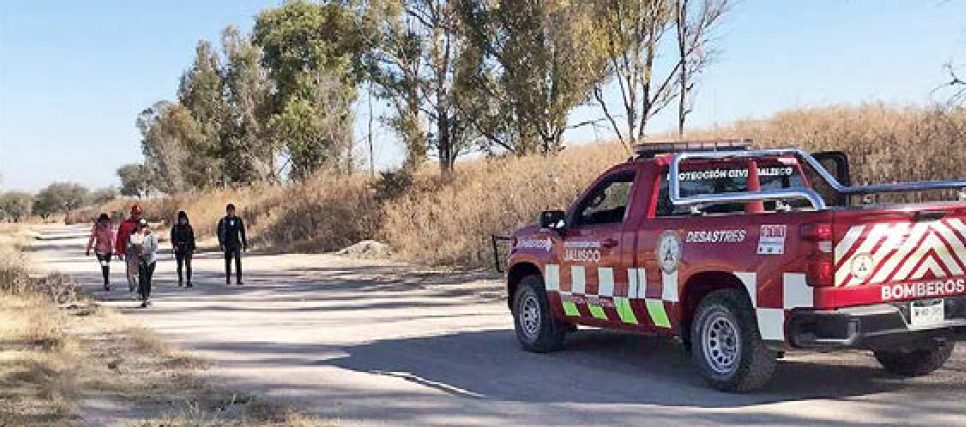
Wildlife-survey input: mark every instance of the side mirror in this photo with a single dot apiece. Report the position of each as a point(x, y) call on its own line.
point(554, 220)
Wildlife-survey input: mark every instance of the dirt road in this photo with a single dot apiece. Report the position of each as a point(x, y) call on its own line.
point(380, 343)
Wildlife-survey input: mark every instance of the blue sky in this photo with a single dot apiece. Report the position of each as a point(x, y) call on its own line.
point(73, 75)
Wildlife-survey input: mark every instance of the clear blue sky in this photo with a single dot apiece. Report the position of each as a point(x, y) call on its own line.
point(73, 75)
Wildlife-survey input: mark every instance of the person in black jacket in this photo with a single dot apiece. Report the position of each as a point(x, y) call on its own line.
point(183, 245)
point(231, 238)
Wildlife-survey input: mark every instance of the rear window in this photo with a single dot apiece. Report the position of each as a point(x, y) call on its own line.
point(728, 178)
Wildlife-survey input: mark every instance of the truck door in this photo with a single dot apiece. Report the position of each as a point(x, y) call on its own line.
point(594, 245)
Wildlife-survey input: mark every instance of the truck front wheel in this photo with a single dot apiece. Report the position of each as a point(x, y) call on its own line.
point(726, 345)
point(533, 321)
point(916, 362)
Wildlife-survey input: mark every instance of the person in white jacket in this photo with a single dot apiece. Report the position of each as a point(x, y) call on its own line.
point(145, 244)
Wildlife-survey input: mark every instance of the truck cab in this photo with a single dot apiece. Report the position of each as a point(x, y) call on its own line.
point(737, 254)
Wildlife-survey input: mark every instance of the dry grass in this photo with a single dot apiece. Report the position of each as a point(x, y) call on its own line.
point(204, 207)
point(451, 224)
point(318, 215)
point(440, 222)
point(885, 143)
point(38, 361)
point(54, 360)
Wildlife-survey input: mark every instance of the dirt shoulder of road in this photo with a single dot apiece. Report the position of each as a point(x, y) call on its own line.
point(85, 364)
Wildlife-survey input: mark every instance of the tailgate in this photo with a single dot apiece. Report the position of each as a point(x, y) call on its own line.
point(898, 253)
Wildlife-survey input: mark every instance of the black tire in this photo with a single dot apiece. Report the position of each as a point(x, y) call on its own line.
point(916, 363)
point(726, 346)
point(533, 321)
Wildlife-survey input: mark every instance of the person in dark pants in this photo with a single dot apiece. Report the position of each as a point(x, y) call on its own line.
point(183, 246)
point(145, 245)
point(231, 238)
point(102, 240)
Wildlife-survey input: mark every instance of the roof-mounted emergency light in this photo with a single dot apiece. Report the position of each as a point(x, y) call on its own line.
point(651, 149)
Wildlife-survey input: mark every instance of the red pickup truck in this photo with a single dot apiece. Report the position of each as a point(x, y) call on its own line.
point(744, 254)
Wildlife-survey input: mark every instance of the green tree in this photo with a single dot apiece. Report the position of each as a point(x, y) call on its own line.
point(59, 197)
point(247, 150)
point(101, 196)
point(396, 67)
point(314, 140)
point(313, 52)
point(15, 206)
point(135, 180)
point(539, 59)
point(415, 64)
point(202, 93)
point(170, 137)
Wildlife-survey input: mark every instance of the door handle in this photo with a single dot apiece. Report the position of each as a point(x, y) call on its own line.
point(608, 243)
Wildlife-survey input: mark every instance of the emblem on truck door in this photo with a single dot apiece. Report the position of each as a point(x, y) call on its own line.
point(669, 251)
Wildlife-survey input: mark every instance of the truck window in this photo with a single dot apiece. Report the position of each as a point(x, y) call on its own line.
point(607, 203)
point(729, 178)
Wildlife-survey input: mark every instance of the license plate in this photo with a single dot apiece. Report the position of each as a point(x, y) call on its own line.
point(927, 313)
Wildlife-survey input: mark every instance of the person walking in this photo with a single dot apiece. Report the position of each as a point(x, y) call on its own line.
point(183, 246)
point(144, 248)
point(122, 249)
point(102, 240)
point(231, 239)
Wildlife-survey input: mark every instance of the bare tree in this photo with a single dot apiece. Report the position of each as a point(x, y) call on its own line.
point(957, 84)
point(694, 21)
point(415, 69)
point(634, 30)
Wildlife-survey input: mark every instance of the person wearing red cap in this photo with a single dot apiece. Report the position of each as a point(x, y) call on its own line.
point(123, 249)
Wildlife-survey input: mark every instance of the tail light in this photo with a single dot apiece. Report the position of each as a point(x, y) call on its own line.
point(817, 232)
point(821, 265)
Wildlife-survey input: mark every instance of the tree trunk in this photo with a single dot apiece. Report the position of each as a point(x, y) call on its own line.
point(445, 145)
point(372, 156)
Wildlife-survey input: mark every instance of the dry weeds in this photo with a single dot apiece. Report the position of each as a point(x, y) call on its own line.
point(55, 360)
point(441, 222)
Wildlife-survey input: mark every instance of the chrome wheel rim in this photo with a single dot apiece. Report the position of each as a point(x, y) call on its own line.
point(722, 343)
point(530, 316)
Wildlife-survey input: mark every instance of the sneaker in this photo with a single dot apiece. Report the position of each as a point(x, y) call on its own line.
point(144, 304)
point(190, 285)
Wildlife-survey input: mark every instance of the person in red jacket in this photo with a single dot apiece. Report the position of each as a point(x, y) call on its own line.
point(123, 249)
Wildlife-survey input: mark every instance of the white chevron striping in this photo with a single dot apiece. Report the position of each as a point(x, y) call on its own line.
point(931, 242)
point(878, 232)
point(901, 254)
point(847, 242)
point(957, 245)
point(895, 237)
point(929, 265)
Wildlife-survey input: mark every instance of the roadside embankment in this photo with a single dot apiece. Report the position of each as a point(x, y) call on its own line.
point(429, 220)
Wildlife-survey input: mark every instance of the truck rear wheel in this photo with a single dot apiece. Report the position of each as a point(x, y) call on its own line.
point(726, 345)
point(533, 321)
point(917, 362)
